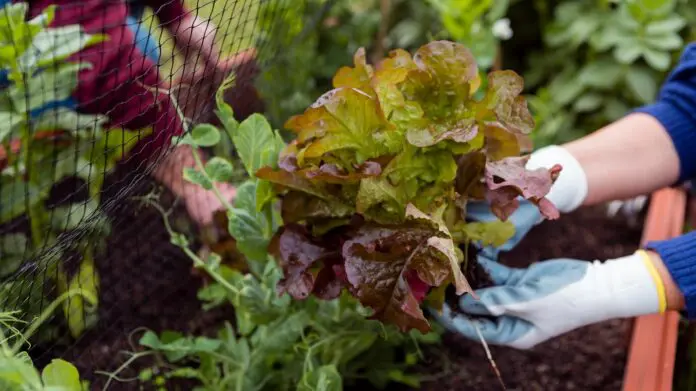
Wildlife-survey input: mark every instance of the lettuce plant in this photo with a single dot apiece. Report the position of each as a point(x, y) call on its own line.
point(374, 187)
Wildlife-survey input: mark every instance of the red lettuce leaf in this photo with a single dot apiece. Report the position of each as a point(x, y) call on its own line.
point(508, 178)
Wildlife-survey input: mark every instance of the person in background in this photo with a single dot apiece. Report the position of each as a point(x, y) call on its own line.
point(650, 148)
point(125, 84)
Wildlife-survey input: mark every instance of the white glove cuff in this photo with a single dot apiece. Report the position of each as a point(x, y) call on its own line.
point(632, 285)
point(570, 189)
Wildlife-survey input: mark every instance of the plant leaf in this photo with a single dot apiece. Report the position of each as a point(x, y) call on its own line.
point(257, 144)
point(196, 177)
point(324, 378)
point(219, 169)
point(507, 179)
point(205, 135)
point(62, 375)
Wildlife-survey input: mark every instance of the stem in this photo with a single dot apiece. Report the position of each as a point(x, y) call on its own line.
point(489, 356)
point(45, 315)
point(114, 375)
point(385, 13)
point(197, 261)
point(201, 168)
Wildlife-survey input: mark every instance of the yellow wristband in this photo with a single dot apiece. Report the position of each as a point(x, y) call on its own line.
point(661, 295)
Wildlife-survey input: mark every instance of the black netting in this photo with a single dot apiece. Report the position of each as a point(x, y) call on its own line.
point(92, 93)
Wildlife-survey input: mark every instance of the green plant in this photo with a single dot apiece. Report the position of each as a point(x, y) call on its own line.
point(375, 186)
point(277, 343)
point(479, 25)
point(17, 372)
point(319, 43)
point(600, 59)
point(41, 144)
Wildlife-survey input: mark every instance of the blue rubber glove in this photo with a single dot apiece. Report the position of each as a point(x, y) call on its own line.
point(552, 297)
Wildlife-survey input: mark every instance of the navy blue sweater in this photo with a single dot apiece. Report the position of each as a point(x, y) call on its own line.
point(675, 109)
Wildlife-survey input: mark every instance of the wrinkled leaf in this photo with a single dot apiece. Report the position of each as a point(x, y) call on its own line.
point(297, 253)
point(507, 179)
point(491, 233)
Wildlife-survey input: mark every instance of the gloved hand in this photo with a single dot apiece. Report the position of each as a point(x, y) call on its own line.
point(552, 297)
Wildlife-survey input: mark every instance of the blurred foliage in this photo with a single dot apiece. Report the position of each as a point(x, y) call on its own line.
point(585, 63)
point(323, 35)
point(600, 59)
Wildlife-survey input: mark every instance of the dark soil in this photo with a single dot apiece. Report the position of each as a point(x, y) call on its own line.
point(591, 358)
point(146, 282)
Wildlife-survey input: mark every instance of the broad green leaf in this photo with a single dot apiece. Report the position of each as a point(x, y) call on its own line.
point(205, 135)
point(194, 176)
point(657, 59)
point(670, 25)
point(642, 83)
point(16, 196)
point(19, 373)
point(13, 251)
point(324, 378)
point(491, 233)
point(627, 54)
point(257, 144)
point(602, 74)
point(62, 375)
point(175, 346)
point(53, 45)
point(588, 101)
point(664, 42)
point(219, 169)
point(249, 227)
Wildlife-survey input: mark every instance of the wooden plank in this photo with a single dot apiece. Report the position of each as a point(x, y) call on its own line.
point(650, 363)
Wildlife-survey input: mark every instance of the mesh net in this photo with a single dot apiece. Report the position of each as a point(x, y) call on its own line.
point(92, 93)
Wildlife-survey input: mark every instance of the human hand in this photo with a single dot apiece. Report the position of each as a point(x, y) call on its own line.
point(549, 298)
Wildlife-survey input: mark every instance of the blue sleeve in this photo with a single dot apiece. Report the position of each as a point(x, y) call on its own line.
point(675, 109)
point(679, 256)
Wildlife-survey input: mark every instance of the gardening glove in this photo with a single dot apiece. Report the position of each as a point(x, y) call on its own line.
point(549, 298)
point(552, 297)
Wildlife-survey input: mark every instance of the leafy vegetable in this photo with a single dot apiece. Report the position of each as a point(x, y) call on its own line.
point(381, 169)
point(278, 343)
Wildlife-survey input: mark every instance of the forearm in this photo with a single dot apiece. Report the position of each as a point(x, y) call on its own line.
point(629, 157)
